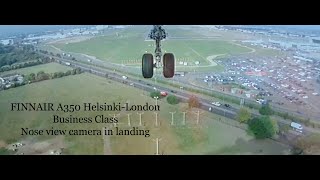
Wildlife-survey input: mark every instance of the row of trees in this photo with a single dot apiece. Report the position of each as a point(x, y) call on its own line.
point(10, 55)
point(42, 76)
point(26, 64)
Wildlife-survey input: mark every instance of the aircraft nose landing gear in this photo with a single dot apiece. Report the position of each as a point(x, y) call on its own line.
point(158, 34)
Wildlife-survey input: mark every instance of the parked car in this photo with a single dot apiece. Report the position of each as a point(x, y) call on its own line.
point(216, 103)
point(163, 93)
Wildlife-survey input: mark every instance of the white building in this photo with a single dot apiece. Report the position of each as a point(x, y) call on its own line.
point(6, 41)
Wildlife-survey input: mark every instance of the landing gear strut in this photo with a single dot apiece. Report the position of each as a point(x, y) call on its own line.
point(148, 63)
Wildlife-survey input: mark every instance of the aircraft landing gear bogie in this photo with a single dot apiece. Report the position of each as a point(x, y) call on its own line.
point(168, 65)
point(167, 62)
point(148, 65)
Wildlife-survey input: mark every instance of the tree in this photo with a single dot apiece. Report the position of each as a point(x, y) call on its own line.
point(60, 74)
point(31, 77)
point(155, 94)
point(78, 70)
point(193, 102)
point(275, 126)
point(73, 72)
point(243, 115)
point(55, 75)
point(266, 110)
point(261, 127)
point(286, 115)
point(42, 76)
point(172, 99)
point(67, 73)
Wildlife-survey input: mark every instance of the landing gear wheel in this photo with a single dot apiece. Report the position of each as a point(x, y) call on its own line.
point(168, 65)
point(147, 65)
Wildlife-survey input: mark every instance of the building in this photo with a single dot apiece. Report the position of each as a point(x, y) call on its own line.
point(6, 42)
point(237, 91)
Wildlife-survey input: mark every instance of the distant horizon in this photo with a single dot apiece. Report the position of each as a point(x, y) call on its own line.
point(9, 30)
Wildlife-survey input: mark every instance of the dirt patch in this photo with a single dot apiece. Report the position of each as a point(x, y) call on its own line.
point(71, 40)
point(2, 144)
point(42, 148)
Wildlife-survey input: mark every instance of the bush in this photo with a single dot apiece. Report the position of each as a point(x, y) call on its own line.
point(262, 127)
point(193, 102)
point(4, 151)
point(155, 94)
point(243, 115)
point(296, 151)
point(67, 73)
point(172, 99)
point(266, 110)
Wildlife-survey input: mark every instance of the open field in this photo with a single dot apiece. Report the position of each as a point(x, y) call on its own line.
point(47, 68)
point(208, 137)
point(127, 46)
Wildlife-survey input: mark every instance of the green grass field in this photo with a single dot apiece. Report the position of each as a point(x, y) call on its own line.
point(210, 137)
point(47, 68)
point(128, 46)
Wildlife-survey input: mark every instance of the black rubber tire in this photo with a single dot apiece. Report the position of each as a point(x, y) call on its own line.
point(168, 65)
point(147, 65)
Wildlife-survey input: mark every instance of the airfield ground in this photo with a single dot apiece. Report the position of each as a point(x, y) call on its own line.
point(189, 44)
point(210, 136)
point(127, 46)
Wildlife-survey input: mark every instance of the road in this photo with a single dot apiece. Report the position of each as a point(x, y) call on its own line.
point(205, 104)
point(274, 106)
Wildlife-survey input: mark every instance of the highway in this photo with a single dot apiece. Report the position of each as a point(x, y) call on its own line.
point(205, 104)
point(274, 106)
point(182, 95)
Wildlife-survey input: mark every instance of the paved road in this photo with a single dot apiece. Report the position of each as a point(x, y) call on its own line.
point(188, 84)
point(205, 104)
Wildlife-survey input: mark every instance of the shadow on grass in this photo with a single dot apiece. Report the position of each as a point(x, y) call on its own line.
point(4, 151)
point(253, 146)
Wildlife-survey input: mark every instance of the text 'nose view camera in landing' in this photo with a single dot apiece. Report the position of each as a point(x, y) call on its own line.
point(167, 61)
